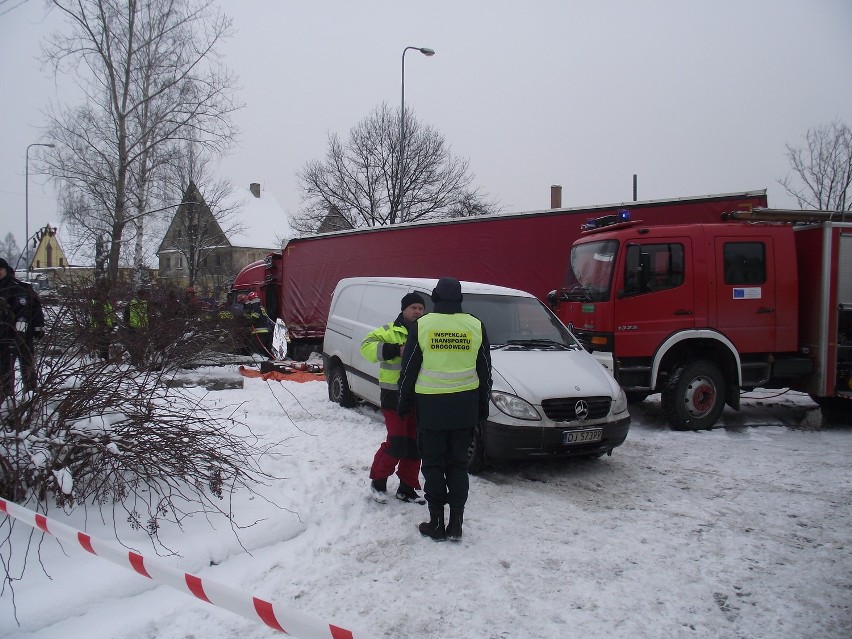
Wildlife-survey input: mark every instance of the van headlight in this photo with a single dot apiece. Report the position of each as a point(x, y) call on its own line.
point(620, 403)
point(514, 406)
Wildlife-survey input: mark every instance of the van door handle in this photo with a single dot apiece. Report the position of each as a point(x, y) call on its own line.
point(683, 311)
point(765, 309)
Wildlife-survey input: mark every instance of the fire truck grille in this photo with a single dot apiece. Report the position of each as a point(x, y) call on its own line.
point(571, 409)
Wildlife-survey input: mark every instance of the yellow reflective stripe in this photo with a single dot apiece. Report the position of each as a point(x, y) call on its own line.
point(464, 383)
point(465, 374)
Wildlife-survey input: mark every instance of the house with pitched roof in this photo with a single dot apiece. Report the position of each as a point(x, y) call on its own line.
point(208, 242)
point(48, 253)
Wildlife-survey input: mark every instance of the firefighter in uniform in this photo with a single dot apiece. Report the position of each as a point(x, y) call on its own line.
point(446, 377)
point(399, 450)
point(261, 325)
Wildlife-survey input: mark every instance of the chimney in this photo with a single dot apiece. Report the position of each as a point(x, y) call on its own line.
point(254, 187)
point(556, 196)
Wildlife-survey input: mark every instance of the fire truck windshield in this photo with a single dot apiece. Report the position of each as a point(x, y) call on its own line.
point(590, 276)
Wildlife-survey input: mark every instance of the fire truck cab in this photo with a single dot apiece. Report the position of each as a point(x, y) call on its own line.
point(699, 312)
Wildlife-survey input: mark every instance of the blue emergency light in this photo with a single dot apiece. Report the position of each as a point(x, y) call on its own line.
point(606, 220)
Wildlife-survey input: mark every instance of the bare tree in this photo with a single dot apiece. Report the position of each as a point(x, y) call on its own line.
point(9, 250)
point(823, 170)
point(359, 183)
point(151, 77)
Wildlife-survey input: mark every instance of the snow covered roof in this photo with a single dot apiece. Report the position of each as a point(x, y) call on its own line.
point(263, 220)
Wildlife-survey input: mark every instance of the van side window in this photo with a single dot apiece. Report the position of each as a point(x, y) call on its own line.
point(652, 267)
point(380, 304)
point(349, 297)
point(745, 263)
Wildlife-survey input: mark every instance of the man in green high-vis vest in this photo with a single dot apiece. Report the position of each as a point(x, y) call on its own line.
point(446, 378)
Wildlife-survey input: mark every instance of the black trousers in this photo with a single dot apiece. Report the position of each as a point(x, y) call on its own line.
point(26, 356)
point(443, 463)
point(8, 353)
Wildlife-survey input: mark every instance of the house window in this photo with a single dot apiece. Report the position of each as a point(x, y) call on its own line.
point(167, 263)
point(218, 260)
point(179, 263)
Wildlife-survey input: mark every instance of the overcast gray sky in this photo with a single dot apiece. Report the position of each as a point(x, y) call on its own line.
point(695, 97)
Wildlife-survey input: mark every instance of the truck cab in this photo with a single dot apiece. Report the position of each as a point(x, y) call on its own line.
point(694, 311)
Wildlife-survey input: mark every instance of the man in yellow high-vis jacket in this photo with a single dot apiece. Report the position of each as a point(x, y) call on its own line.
point(446, 377)
point(399, 450)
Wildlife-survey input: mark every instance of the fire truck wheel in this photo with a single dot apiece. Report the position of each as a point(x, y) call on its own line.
point(476, 452)
point(694, 396)
point(338, 388)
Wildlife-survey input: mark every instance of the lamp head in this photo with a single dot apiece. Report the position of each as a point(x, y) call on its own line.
point(427, 51)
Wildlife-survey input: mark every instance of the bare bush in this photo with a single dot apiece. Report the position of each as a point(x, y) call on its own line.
point(114, 434)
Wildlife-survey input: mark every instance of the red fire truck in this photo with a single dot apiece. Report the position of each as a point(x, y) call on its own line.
point(526, 251)
point(700, 312)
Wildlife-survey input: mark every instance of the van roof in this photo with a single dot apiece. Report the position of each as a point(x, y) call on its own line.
point(426, 285)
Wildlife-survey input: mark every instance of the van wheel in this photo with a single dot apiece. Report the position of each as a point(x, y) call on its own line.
point(476, 452)
point(694, 396)
point(338, 388)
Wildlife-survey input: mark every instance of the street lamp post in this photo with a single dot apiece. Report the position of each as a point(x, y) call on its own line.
point(427, 52)
point(27, 206)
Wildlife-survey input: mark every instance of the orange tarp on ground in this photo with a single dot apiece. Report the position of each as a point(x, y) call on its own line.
point(295, 376)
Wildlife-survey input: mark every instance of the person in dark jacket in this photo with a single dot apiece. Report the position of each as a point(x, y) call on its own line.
point(24, 323)
point(399, 450)
point(446, 378)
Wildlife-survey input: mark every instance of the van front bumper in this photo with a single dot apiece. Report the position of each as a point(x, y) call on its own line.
point(522, 442)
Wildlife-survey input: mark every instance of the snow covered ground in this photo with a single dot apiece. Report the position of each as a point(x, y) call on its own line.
point(744, 531)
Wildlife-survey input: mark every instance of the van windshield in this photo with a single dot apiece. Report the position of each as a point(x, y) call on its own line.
point(518, 321)
point(590, 276)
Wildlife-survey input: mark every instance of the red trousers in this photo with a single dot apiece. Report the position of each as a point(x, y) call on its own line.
point(399, 451)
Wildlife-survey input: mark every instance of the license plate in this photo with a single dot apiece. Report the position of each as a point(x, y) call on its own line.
point(582, 436)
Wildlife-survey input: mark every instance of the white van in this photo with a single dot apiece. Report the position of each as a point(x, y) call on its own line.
point(549, 396)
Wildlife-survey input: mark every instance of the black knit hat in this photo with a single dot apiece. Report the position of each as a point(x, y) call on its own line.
point(409, 299)
point(448, 289)
point(5, 264)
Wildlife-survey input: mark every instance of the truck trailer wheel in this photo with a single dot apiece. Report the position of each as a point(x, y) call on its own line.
point(338, 388)
point(694, 396)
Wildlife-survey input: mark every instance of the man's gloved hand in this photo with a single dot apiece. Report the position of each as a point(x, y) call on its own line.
point(21, 326)
point(38, 332)
point(389, 351)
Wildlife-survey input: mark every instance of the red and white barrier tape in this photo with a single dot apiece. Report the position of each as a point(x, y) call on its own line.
point(285, 620)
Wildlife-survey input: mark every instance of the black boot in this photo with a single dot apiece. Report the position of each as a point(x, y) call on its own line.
point(454, 527)
point(434, 528)
point(408, 493)
point(379, 490)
